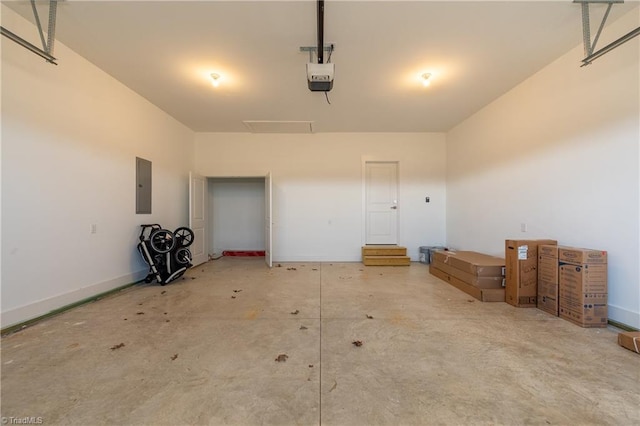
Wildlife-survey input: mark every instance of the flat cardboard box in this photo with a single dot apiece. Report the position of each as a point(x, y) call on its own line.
point(580, 256)
point(630, 340)
point(480, 282)
point(471, 262)
point(483, 294)
point(522, 271)
point(548, 297)
point(548, 263)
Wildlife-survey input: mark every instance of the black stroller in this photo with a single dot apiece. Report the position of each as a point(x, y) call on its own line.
point(165, 252)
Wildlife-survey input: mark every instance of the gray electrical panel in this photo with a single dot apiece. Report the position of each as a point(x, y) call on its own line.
point(143, 186)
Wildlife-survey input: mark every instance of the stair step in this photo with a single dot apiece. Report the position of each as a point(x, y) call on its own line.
point(386, 260)
point(384, 250)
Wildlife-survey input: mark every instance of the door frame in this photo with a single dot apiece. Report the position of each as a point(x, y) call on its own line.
point(268, 178)
point(368, 159)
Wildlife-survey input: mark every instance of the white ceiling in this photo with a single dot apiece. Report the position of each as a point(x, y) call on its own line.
point(477, 50)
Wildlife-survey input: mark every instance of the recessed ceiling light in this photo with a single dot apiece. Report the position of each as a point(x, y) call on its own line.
point(426, 79)
point(215, 79)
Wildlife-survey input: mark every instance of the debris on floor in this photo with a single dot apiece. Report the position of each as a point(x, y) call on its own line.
point(314, 269)
point(296, 312)
point(310, 365)
point(118, 346)
point(163, 291)
point(173, 358)
point(369, 316)
point(278, 266)
point(233, 297)
point(125, 319)
point(470, 300)
point(291, 269)
point(335, 385)
point(302, 327)
point(357, 343)
point(282, 358)
point(237, 291)
point(165, 313)
point(167, 320)
point(139, 313)
point(139, 304)
point(193, 278)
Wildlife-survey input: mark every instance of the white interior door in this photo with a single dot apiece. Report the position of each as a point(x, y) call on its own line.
point(268, 231)
point(198, 202)
point(381, 202)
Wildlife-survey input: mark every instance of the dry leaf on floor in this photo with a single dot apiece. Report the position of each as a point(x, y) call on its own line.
point(302, 327)
point(193, 278)
point(369, 316)
point(233, 297)
point(139, 313)
point(237, 291)
point(163, 292)
point(357, 343)
point(118, 346)
point(282, 358)
point(314, 269)
point(296, 312)
point(173, 358)
point(310, 365)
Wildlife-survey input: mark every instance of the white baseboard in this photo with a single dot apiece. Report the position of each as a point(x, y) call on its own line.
point(42, 307)
point(624, 316)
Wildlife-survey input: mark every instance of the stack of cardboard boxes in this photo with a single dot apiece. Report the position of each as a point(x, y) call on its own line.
point(564, 281)
point(477, 274)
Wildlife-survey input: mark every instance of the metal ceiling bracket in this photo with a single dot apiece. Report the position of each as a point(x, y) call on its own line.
point(328, 47)
point(47, 47)
point(590, 46)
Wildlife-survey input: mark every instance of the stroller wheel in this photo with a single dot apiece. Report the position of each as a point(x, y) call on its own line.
point(184, 236)
point(148, 280)
point(162, 241)
point(183, 256)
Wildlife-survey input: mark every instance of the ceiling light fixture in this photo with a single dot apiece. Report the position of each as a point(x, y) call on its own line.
point(426, 79)
point(215, 79)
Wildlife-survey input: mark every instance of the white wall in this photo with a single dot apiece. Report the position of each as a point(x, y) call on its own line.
point(236, 214)
point(318, 186)
point(70, 135)
point(559, 153)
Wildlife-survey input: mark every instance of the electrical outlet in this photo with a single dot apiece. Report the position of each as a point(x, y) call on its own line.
point(523, 227)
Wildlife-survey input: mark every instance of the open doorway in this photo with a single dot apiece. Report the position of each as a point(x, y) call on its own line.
point(237, 215)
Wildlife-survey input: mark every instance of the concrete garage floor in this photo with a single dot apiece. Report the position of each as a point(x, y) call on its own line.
point(194, 354)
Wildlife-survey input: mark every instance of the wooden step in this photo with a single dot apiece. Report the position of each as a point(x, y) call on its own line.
point(386, 260)
point(384, 250)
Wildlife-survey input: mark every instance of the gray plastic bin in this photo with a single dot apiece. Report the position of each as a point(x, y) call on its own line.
point(426, 253)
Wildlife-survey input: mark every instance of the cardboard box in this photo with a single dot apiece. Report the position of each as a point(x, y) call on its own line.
point(589, 310)
point(630, 340)
point(547, 299)
point(483, 294)
point(522, 271)
point(480, 282)
point(471, 262)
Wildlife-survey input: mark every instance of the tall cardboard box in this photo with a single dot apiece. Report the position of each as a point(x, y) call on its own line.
point(521, 257)
point(583, 286)
point(548, 279)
